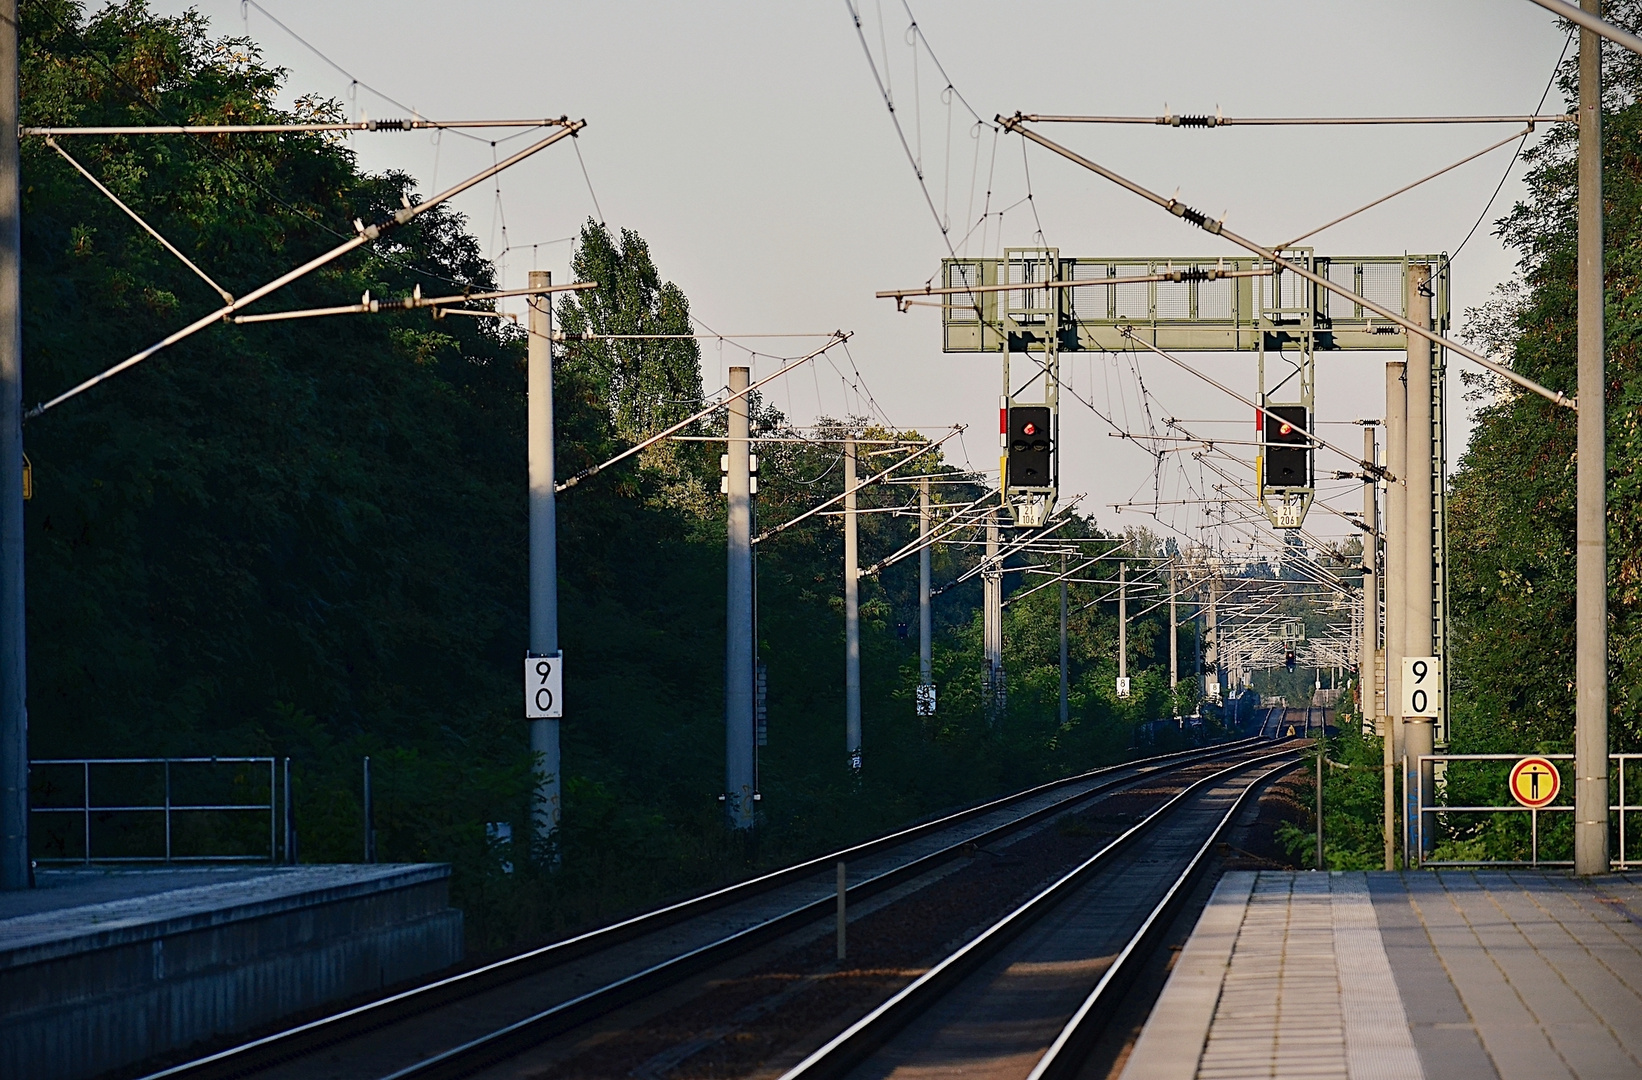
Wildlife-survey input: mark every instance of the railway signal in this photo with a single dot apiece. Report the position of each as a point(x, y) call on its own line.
point(1027, 464)
point(1286, 449)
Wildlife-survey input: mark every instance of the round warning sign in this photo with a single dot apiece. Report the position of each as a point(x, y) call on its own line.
point(1535, 782)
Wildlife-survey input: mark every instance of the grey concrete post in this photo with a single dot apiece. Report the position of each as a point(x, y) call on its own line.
point(852, 614)
point(14, 726)
point(1396, 543)
point(1369, 641)
point(926, 671)
point(738, 622)
point(1174, 628)
point(1591, 540)
point(1123, 620)
point(1419, 625)
point(1211, 632)
point(992, 616)
point(1065, 696)
point(544, 544)
point(1369, 661)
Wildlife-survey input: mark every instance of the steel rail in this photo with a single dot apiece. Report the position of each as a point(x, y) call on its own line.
point(247, 1058)
point(499, 1045)
point(1065, 1056)
point(866, 1035)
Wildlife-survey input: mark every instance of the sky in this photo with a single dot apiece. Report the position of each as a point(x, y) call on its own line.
point(750, 145)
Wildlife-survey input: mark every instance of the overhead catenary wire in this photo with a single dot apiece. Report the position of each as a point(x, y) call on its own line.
point(1217, 228)
point(913, 456)
point(364, 235)
point(353, 79)
point(589, 335)
point(1601, 27)
point(1368, 466)
point(1515, 155)
point(308, 217)
point(593, 470)
point(1523, 134)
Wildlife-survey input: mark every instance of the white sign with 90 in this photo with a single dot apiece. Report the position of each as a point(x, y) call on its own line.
point(544, 687)
point(1422, 686)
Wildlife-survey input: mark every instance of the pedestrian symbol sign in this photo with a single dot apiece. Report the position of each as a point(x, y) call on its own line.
point(1535, 782)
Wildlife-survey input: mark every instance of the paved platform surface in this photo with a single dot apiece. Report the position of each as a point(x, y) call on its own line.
point(55, 889)
point(1457, 975)
point(103, 969)
point(98, 909)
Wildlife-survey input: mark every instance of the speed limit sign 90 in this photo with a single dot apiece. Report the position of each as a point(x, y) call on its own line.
point(1422, 685)
point(544, 687)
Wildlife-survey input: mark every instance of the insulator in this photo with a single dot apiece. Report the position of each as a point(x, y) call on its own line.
point(387, 125)
point(1196, 121)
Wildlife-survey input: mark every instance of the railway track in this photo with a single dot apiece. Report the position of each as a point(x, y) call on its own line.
point(1290, 723)
point(458, 1025)
point(1028, 996)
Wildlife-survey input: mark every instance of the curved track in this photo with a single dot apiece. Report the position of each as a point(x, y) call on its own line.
point(454, 1026)
point(1291, 723)
point(1030, 994)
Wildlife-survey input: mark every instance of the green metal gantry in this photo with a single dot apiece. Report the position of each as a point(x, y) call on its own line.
point(1192, 305)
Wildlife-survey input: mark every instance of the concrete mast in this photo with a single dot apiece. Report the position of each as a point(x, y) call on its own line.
point(14, 728)
point(1396, 544)
point(1591, 540)
point(738, 621)
point(544, 544)
point(926, 627)
point(852, 614)
point(1419, 614)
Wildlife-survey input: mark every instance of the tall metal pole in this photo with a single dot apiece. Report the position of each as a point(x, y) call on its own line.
point(1368, 642)
point(1396, 544)
point(14, 739)
point(1591, 565)
point(738, 621)
point(544, 545)
point(992, 619)
point(926, 627)
point(852, 615)
point(1065, 703)
point(1211, 633)
point(1174, 630)
point(1419, 613)
point(1368, 665)
point(1123, 620)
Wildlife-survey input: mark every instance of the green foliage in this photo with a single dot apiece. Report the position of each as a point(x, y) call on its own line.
point(308, 538)
point(1353, 799)
point(1512, 504)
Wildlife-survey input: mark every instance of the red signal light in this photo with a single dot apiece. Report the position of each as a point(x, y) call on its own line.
point(1286, 429)
point(1029, 429)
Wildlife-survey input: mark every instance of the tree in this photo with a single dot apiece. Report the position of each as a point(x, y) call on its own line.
point(1512, 506)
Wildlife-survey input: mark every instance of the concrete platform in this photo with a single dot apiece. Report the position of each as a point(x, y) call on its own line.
point(103, 968)
point(1457, 975)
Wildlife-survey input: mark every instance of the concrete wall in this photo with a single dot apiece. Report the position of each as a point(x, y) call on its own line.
point(126, 981)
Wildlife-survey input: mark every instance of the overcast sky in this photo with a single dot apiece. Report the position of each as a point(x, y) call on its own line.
point(749, 144)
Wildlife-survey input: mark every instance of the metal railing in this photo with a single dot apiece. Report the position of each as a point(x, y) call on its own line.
point(1414, 831)
point(168, 807)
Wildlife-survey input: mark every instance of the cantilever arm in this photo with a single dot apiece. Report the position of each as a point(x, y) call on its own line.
point(1201, 220)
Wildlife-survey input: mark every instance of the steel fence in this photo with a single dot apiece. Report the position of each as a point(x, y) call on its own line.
point(1417, 835)
point(167, 809)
